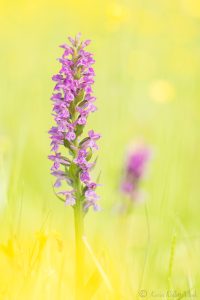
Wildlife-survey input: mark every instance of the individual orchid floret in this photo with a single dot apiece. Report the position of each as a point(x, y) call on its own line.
point(73, 101)
point(69, 197)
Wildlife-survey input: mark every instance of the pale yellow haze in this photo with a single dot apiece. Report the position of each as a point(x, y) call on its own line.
point(161, 91)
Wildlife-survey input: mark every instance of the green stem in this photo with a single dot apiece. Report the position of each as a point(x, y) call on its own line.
point(79, 231)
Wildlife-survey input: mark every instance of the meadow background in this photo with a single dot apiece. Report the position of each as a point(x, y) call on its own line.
point(147, 88)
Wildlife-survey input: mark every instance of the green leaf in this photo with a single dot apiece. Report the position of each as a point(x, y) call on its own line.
point(72, 152)
point(72, 109)
point(65, 159)
point(73, 171)
point(79, 97)
point(67, 144)
point(84, 140)
point(79, 130)
point(82, 103)
point(89, 155)
point(60, 198)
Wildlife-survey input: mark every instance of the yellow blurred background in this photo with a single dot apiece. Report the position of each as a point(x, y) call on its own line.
point(147, 87)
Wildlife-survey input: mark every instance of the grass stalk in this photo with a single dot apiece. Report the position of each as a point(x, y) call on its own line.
point(79, 251)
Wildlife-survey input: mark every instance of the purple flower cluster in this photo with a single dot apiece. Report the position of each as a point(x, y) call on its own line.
point(135, 169)
point(73, 101)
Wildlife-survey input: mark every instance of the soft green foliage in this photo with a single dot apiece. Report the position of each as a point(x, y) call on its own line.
point(147, 84)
